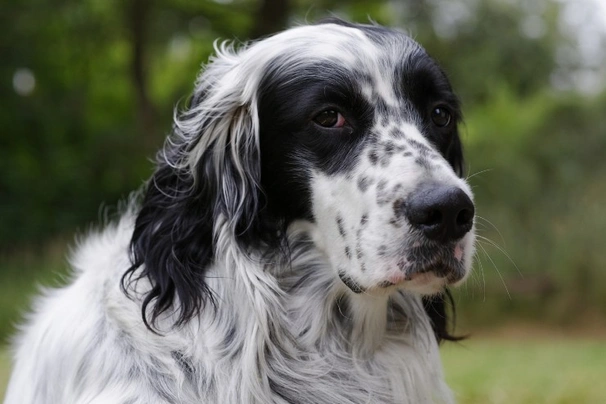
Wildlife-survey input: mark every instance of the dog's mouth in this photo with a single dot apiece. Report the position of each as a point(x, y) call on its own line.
point(426, 269)
point(451, 271)
point(420, 274)
point(441, 260)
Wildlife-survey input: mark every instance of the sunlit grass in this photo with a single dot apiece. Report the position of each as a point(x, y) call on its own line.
point(537, 371)
point(495, 371)
point(4, 371)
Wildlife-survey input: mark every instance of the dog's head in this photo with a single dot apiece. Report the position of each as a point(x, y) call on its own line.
point(351, 128)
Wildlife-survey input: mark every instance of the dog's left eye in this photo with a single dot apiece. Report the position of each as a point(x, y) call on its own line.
point(441, 116)
point(330, 119)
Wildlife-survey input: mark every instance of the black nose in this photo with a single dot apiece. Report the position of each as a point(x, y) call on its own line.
point(442, 213)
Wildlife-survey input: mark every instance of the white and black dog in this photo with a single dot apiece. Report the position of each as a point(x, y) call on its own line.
point(293, 246)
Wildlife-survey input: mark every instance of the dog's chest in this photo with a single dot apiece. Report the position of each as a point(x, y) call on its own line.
point(397, 372)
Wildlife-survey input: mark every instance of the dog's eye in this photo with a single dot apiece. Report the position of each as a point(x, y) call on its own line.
point(330, 119)
point(441, 116)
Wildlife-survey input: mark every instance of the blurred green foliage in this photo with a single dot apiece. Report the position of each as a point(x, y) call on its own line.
point(108, 74)
point(540, 188)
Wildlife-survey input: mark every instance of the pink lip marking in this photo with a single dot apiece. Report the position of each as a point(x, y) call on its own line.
point(458, 252)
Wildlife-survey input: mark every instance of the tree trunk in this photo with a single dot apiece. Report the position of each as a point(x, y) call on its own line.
point(137, 20)
point(272, 16)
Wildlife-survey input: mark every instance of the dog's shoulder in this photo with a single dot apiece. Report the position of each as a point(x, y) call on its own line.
point(78, 321)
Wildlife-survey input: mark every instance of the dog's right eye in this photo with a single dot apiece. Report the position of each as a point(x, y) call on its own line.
point(330, 119)
point(441, 116)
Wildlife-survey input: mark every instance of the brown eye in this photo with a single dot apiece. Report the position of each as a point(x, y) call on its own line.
point(330, 119)
point(441, 117)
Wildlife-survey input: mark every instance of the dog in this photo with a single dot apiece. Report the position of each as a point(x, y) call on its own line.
point(294, 245)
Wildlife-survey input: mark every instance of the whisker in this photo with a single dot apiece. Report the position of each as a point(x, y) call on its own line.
point(478, 173)
point(493, 226)
point(497, 269)
point(479, 281)
point(477, 257)
point(502, 251)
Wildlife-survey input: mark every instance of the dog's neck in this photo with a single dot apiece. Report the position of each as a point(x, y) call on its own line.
point(294, 323)
point(294, 295)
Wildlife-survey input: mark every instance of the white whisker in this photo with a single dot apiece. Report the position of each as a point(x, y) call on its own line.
point(496, 269)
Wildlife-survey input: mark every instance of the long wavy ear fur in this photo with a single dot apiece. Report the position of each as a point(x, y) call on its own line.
point(205, 188)
point(437, 310)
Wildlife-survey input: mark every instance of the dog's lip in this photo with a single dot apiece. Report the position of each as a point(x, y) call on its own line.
point(439, 268)
point(422, 280)
point(443, 260)
point(419, 274)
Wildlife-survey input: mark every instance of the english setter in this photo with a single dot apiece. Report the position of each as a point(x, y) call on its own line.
point(294, 244)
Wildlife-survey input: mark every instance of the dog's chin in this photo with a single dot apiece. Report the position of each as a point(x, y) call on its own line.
point(425, 283)
point(430, 280)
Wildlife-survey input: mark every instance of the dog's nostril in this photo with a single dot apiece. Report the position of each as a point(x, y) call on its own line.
point(442, 213)
point(465, 217)
point(433, 217)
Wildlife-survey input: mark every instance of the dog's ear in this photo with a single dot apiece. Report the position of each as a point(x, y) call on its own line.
point(205, 188)
point(440, 308)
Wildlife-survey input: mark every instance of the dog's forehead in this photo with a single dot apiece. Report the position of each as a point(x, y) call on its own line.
point(373, 59)
point(355, 48)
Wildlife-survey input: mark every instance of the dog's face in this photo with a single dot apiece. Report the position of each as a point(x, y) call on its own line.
point(358, 135)
point(348, 129)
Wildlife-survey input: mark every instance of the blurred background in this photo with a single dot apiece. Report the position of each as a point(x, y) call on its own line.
point(87, 94)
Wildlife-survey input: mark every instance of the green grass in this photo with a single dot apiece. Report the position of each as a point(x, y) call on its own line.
point(536, 371)
point(495, 371)
point(4, 371)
